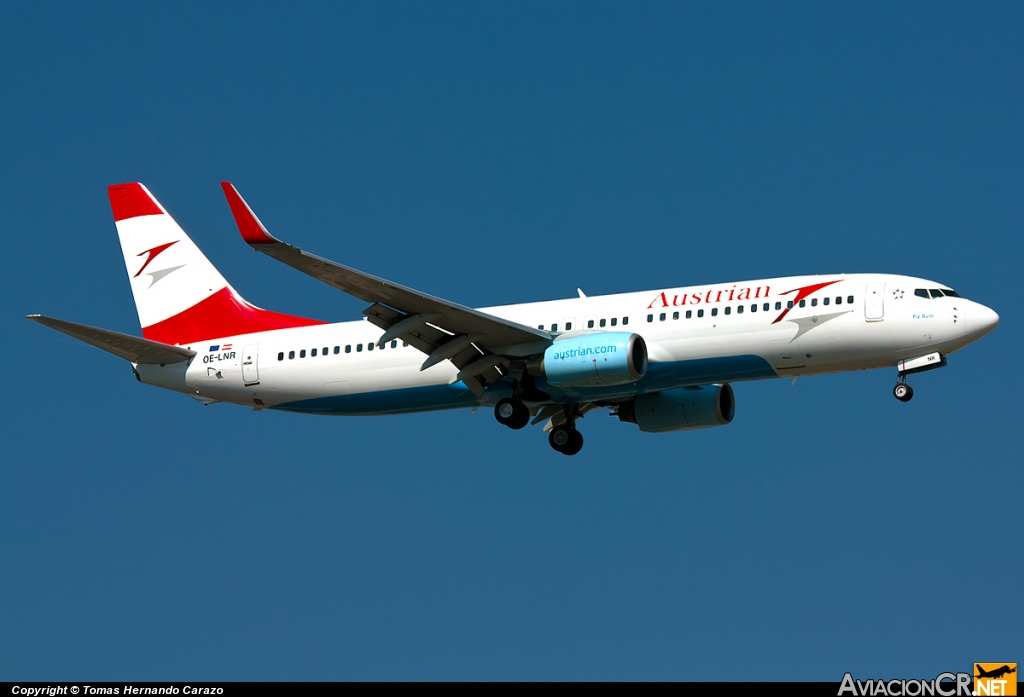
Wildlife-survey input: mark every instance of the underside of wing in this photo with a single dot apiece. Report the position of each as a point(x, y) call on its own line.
point(480, 345)
point(130, 348)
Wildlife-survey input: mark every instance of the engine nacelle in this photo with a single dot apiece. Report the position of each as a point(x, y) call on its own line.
point(681, 409)
point(594, 360)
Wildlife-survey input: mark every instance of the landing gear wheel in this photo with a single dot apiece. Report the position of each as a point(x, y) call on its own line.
point(575, 444)
point(512, 413)
point(903, 392)
point(565, 440)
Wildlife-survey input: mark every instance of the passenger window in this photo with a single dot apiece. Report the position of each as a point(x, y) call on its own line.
point(661, 317)
point(540, 326)
point(922, 293)
point(739, 309)
point(405, 343)
point(348, 348)
point(675, 315)
point(291, 355)
point(359, 348)
point(689, 314)
point(625, 320)
point(728, 310)
point(778, 305)
point(714, 312)
point(765, 308)
point(554, 327)
point(825, 301)
point(302, 353)
point(615, 320)
point(803, 303)
point(753, 307)
point(590, 324)
point(814, 302)
point(326, 351)
point(394, 343)
point(849, 299)
point(280, 356)
point(789, 305)
point(337, 350)
point(602, 323)
point(700, 313)
point(313, 353)
point(369, 346)
point(839, 300)
point(568, 326)
point(650, 318)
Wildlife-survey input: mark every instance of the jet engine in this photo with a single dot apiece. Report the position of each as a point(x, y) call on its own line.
point(593, 360)
point(681, 409)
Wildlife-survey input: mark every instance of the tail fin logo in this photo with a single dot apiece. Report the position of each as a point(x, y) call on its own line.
point(152, 254)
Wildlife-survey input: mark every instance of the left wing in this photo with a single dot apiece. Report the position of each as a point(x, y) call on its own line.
point(480, 345)
point(130, 348)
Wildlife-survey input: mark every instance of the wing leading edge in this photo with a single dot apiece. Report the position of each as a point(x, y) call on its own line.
point(478, 344)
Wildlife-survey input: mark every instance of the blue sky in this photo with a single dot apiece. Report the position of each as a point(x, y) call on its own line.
point(493, 154)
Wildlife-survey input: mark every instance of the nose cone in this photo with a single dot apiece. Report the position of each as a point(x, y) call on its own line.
point(980, 320)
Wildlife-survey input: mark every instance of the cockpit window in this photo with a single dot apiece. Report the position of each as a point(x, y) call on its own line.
point(936, 293)
point(950, 293)
point(922, 293)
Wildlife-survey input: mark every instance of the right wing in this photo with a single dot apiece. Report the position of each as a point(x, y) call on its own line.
point(130, 348)
point(480, 345)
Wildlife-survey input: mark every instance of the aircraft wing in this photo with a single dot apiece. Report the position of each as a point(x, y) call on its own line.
point(479, 344)
point(130, 348)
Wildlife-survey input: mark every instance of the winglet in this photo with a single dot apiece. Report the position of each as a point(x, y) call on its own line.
point(253, 231)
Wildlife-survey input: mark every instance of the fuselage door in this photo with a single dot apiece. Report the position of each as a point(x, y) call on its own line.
point(250, 364)
point(874, 301)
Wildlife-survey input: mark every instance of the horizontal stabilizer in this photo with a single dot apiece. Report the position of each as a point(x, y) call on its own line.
point(130, 348)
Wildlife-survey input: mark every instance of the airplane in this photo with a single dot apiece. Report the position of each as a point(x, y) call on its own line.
point(662, 359)
point(995, 673)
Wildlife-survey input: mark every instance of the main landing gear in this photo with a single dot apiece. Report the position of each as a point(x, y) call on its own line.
point(564, 438)
point(512, 413)
point(903, 391)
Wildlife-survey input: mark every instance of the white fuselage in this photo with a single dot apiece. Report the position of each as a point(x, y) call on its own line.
point(694, 335)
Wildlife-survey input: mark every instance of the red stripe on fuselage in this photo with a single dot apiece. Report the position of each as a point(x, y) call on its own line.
point(131, 201)
point(221, 314)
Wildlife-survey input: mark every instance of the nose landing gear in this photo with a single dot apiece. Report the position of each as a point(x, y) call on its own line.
point(903, 391)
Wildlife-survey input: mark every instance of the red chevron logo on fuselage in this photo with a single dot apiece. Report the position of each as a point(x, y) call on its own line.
point(802, 293)
point(153, 253)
